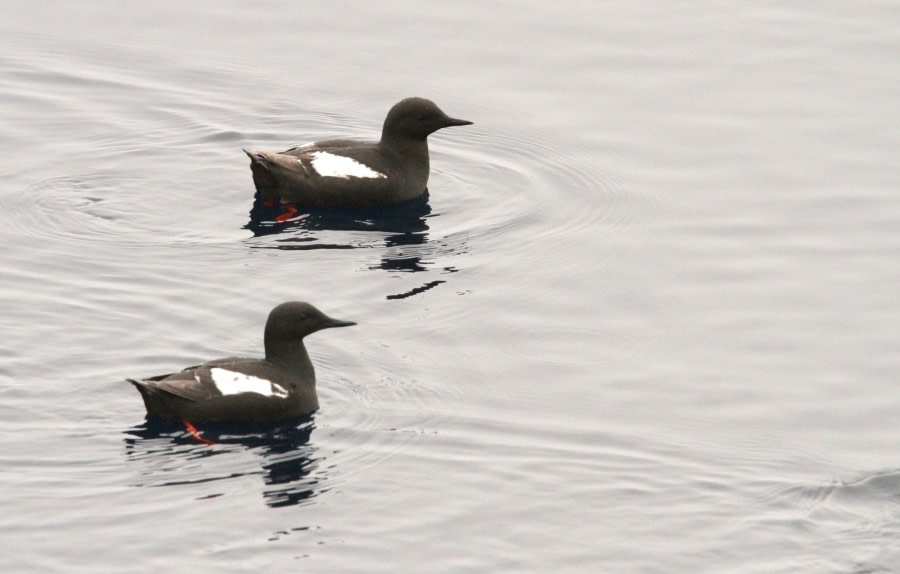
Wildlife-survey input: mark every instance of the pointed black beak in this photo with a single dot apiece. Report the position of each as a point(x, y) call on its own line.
point(338, 323)
point(455, 122)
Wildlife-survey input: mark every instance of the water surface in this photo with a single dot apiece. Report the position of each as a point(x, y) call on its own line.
point(645, 321)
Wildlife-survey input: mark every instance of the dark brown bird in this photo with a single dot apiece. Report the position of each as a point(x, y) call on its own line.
point(240, 389)
point(350, 173)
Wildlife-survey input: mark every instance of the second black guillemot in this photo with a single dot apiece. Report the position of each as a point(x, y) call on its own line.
point(239, 389)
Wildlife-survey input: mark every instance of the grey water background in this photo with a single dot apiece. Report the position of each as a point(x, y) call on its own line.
point(647, 321)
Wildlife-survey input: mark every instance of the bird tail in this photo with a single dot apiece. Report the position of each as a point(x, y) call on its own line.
point(145, 390)
point(261, 167)
point(256, 158)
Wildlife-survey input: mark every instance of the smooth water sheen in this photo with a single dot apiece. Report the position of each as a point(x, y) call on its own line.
point(646, 321)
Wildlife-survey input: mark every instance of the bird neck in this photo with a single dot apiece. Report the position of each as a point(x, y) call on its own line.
point(410, 147)
point(291, 355)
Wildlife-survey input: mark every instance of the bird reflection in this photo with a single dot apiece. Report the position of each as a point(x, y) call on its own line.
point(400, 233)
point(271, 217)
point(283, 457)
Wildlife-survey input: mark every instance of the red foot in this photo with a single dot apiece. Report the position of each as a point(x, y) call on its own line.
point(196, 434)
point(289, 212)
point(269, 202)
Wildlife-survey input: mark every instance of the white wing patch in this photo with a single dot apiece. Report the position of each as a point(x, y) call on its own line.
point(331, 165)
point(232, 383)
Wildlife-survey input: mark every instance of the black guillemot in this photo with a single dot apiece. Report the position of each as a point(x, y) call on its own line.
point(239, 389)
point(350, 173)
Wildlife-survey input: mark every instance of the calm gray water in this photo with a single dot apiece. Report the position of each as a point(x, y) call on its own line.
point(647, 321)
